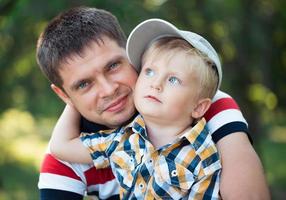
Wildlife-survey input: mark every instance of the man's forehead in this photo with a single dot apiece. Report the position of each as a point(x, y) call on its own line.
point(95, 49)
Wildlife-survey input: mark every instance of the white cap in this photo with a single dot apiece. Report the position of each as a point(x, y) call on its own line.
point(147, 31)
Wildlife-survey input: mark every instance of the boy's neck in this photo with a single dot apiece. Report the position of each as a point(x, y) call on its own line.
point(161, 134)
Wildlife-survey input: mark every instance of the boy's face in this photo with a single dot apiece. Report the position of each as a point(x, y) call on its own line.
point(100, 83)
point(166, 88)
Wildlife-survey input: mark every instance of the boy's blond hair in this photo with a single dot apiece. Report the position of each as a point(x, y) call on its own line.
point(195, 60)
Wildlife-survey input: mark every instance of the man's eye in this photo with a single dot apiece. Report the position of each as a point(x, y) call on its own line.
point(149, 72)
point(174, 80)
point(82, 85)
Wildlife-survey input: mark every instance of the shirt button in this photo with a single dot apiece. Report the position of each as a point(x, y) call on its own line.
point(141, 186)
point(174, 173)
point(131, 160)
point(150, 161)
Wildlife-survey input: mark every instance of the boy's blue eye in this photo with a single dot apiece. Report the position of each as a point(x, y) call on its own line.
point(113, 66)
point(149, 72)
point(174, 80)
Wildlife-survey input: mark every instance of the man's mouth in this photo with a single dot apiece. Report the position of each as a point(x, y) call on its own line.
point(117, 105)
point(152, 98)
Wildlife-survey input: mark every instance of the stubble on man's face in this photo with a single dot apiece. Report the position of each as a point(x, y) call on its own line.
point(108, 80)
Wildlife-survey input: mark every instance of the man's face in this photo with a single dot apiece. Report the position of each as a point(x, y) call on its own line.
point(99, 83)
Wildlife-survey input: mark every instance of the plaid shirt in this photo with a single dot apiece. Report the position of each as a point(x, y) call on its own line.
point(188, 168)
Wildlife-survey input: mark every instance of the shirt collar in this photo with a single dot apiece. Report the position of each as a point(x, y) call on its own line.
point(192, 133)
point(138, 126)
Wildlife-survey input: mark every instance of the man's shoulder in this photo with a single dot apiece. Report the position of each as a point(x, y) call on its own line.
point(53, 165)
point(224, 117)
point(57, 176)
point(220, 103)
point(77, 171)
point(219, 95)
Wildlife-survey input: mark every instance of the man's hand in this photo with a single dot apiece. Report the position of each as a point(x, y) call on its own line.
point(242, 172)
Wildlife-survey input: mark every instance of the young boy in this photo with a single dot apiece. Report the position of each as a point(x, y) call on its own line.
point(166, 151)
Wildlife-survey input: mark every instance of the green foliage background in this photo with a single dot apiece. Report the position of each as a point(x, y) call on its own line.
point(250, 37)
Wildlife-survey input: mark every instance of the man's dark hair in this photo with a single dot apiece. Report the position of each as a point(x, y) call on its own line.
point(70, 33)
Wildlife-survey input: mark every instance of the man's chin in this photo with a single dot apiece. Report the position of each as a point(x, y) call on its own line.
point(120, 119)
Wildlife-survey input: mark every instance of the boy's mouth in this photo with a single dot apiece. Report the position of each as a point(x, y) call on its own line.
point(152, 98)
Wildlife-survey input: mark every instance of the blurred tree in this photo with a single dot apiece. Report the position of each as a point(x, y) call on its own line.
point(250, 43)
point(250, 37)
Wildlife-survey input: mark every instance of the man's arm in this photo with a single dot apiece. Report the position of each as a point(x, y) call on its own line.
point(62, 180)
point(242, 175)
point(65, 143)
point(59, 181)
point(48, 194)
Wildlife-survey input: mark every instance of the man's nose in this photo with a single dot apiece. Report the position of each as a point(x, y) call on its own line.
point(107, 87)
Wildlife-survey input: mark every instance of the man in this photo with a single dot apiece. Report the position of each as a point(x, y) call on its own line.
point(82, 53)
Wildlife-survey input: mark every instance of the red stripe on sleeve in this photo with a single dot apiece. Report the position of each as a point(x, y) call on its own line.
point(219, 106)
point(53, 166)
point(98, 176)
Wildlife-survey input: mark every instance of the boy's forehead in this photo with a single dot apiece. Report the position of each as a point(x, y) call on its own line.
point(180, 63)
point(153, 54)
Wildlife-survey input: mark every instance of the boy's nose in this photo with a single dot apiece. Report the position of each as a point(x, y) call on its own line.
point(156, 84)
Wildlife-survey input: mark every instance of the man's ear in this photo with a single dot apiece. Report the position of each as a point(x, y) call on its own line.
point(63, 96)
point(201, 108)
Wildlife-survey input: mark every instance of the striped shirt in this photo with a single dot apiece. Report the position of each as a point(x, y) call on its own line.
point(61, 180)
point(188, 168)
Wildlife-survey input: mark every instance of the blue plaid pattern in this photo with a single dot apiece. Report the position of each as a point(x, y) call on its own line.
point(188, 168)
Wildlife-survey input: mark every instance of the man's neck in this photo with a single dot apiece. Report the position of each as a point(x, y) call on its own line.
point(88, 126)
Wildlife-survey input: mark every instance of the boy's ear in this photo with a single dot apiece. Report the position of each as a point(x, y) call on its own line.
point(63, 96)
point(201, 108)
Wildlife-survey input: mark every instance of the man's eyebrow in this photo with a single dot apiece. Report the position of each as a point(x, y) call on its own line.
point(75, 85)
point(114, 59)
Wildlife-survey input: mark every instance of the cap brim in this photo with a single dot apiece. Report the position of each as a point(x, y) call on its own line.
point(143, 34)
point(152, 29)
